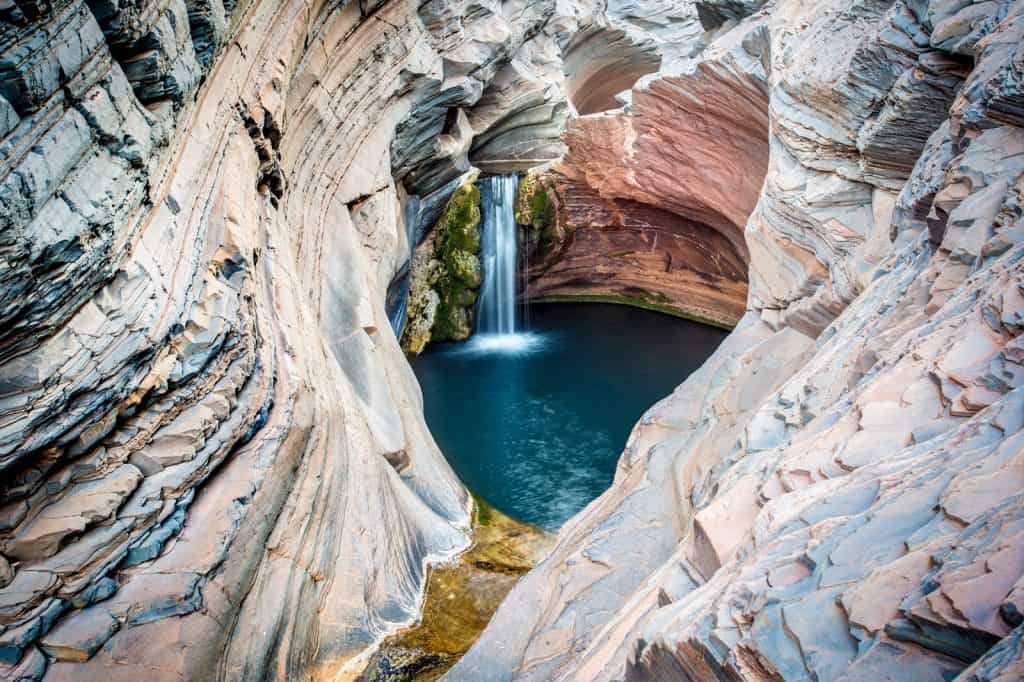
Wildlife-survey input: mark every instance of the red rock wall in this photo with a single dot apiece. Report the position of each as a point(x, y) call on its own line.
point(622, 248)
point(654, 198)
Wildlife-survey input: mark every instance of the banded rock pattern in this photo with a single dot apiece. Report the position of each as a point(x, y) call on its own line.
point(836, 493)
point(213, 461)
point(653, 197)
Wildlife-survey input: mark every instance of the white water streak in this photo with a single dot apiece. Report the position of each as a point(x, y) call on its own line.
point(500, 256)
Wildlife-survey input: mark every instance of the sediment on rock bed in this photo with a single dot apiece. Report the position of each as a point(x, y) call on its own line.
point(460, 598)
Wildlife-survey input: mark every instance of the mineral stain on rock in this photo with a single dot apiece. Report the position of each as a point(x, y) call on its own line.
point(460, 598)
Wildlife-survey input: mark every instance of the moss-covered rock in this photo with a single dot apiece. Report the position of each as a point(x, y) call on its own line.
point(460, 597)
point(421, 308)
point(446, 275)
point(456, 246)
point(537, 215)
point(534, 207)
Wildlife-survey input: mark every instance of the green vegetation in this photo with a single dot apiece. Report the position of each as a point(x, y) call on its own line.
point(446, 274)
point(484, 511)
point(658, 306)
point(456, 246)
point(535, 210)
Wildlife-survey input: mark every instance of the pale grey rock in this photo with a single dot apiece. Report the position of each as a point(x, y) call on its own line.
point(78, 637)
point(84, 504)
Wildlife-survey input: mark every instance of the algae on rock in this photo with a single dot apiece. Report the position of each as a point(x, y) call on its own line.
point(460, 598)
point(446, 274)
point(535, 209)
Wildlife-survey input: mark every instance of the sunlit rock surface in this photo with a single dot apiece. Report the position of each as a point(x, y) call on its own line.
point(836, 494)
point(653, 197)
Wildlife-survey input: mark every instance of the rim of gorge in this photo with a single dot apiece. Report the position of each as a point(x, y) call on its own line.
point(213, 457)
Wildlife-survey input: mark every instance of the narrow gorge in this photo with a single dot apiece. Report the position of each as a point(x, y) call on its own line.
point(252, 251)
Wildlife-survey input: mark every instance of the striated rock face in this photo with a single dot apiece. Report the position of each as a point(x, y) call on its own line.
point(636, 253)
point(836, 494)
point(213, 460)
point(653, 198)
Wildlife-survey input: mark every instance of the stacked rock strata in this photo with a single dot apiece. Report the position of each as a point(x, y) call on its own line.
point(653, 196)
point(836, 494)
point(213, 460)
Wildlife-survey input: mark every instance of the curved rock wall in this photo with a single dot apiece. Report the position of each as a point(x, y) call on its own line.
point(653, 197)
point(212, 450)
point(836, 493)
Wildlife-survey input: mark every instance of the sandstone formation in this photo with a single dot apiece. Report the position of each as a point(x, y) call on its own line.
point(653, 197)
point(836, 494)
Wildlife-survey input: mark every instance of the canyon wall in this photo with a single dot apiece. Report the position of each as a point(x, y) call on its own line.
point(653, 196)
point(213, 460)
point(836, 493)
point(212, 450)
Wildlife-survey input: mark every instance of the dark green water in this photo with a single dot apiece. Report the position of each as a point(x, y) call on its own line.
point(538, 432)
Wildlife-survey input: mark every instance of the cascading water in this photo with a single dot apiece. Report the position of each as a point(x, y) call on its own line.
point(499, 253)
point(497, 307)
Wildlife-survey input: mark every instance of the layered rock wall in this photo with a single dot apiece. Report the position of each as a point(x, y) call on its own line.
point(836, 493)
point(653, 197)
point(213, 461)
point(212, 450)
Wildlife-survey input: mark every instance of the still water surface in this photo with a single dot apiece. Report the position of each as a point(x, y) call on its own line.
point(534, 423)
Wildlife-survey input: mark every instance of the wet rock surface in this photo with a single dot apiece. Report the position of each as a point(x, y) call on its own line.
point(460, 598)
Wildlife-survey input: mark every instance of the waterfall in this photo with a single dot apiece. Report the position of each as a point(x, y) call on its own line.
point(499, 254)
point(497, 325)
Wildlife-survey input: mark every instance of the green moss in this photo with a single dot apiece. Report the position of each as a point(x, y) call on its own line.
point(523, 211)
point(542, 210)
point(421, 307)
point(533, 206)
point(464, 267)
point(456, 245)
point(484, 511)
point(635, 302)
point(446, 274)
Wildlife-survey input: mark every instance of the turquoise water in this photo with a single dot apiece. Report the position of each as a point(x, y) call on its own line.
point(535, 423)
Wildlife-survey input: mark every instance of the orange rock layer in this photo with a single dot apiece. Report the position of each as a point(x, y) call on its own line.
point(653, 198)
